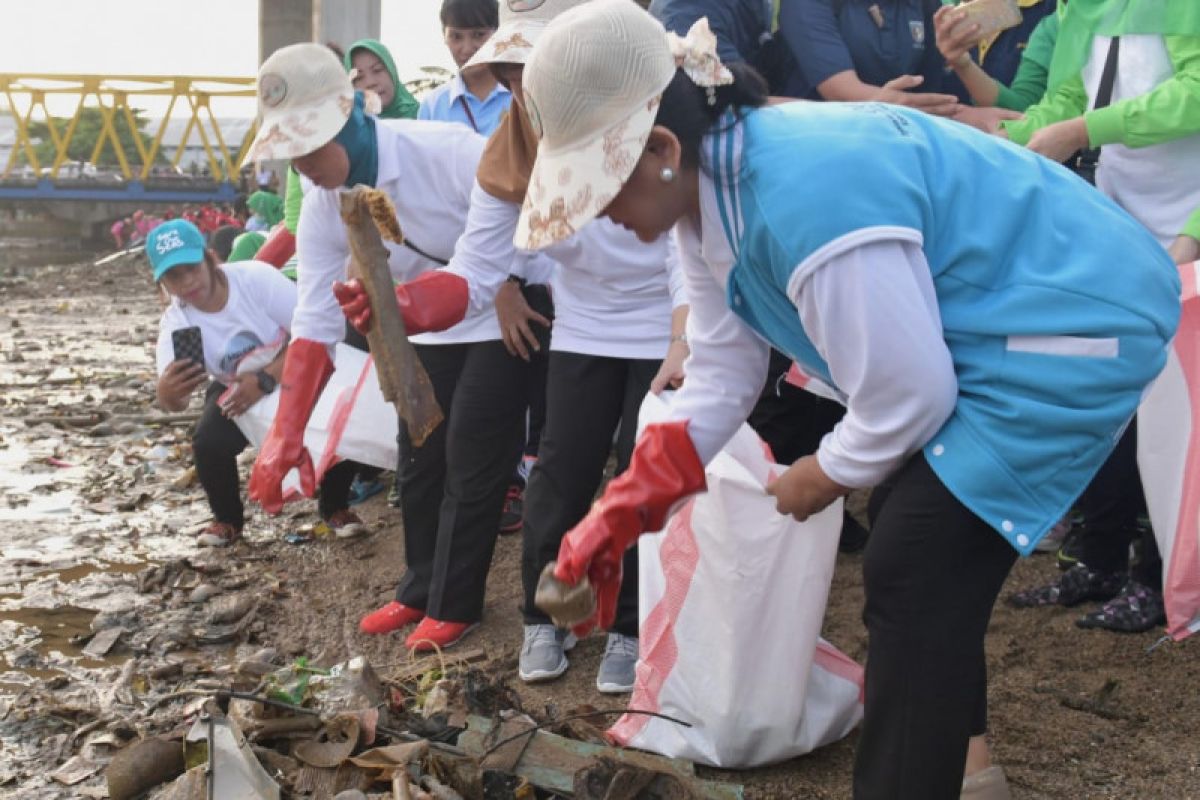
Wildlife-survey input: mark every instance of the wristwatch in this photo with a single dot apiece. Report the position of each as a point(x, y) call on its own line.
point(266, 382)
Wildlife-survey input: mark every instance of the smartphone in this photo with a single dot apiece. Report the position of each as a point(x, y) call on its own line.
point(188, 345)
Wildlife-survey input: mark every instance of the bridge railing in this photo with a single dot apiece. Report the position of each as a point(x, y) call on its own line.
point(26, 98)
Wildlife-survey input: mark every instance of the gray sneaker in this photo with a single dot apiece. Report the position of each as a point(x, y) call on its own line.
point(619, 666)
point(543, 653)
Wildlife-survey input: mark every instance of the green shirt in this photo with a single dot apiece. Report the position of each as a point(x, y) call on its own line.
point(1029, 84)
point(1169, 111)
point(1192, 228)
point(293, 197)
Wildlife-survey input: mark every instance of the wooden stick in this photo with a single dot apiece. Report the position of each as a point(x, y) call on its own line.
point(402, 379)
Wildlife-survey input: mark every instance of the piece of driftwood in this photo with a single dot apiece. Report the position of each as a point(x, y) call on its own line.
point(552, 762)
point(369, 217)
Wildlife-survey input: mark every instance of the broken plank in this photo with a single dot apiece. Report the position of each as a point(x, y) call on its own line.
point(551, 761)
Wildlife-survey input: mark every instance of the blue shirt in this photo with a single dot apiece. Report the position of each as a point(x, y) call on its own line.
point(1056, 306)
point(744, 33)
point(831, 36)
point(450, 103)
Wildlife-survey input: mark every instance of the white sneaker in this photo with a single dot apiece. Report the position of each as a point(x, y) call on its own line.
point(543, 653)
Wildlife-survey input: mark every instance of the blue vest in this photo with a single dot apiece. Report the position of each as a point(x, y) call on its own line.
point(1057, 307)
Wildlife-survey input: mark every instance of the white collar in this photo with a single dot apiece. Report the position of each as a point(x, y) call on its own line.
point(458, 88)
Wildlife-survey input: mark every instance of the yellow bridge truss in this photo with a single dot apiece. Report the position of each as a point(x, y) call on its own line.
point(27, 94)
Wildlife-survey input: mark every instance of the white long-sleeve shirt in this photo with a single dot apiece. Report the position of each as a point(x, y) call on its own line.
point(871, 313)
point(427, 169)
point(613, 294)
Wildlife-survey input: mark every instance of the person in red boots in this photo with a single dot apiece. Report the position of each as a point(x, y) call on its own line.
point(313, 117)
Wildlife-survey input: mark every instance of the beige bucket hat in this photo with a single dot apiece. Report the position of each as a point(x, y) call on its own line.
point(592, 89)
point(521, 23)
point(304, 99)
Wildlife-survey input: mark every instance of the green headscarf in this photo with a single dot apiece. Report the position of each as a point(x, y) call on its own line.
point(246, 246)
point(268, 206)
point(403, 105)
point(1083, 20)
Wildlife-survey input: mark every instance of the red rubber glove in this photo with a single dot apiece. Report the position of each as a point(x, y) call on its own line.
point(433, 301)
point(278, 248)
point(664, 469)
point(306, 368)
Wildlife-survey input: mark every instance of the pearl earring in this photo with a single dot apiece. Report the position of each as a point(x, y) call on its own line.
point(667, 175)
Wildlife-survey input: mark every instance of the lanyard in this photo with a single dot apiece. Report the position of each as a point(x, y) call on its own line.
point(467, 108)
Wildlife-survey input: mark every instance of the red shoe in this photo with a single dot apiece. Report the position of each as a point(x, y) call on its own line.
point(392, 617)
point(433, 634)
point(512, 516)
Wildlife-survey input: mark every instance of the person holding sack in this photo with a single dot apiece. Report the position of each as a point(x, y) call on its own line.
point(988, 361)
point(244, 313)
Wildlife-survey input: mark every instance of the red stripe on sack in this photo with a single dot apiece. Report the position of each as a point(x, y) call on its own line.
point(679, 555)
point(338, 421)
point(835, 662)
point(1181, 589)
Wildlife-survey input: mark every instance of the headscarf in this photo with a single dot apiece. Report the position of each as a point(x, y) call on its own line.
point(1083, 20)
point(266, 205)
point(403, 105)
point(508, 157)
point(246, 246)
point(357, 136)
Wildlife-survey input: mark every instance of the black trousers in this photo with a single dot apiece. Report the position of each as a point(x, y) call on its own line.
point(789, 419)
point(1110, 506)
point(216, 443)
point(588, 399)
point(453, 485)
point(932, 571)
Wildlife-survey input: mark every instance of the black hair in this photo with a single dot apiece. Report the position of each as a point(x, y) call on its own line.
point(221, 240)
point(686, 112)
point(337, 50)
point(470, 14)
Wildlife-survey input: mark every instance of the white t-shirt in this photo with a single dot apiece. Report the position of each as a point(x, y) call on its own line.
point(256, 318)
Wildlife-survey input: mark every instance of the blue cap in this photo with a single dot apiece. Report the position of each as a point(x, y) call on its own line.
point(174, 243)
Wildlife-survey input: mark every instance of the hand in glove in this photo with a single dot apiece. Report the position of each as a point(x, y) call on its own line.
point(433, 301)
point(664, 470)
point(306, 368)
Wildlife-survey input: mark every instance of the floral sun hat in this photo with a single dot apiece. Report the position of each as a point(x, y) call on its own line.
point(521, 23)
point(304, 99)
point(592, 90)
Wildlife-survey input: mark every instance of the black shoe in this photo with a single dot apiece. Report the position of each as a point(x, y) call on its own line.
point(1137, 609)
point(1077, 585)
point(854, 536)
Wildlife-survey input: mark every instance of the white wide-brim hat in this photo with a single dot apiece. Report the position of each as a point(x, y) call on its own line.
point(521, 24)
point(592, 90)
point(304, 100)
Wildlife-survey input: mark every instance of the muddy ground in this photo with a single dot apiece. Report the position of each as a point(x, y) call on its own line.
point(89, 498)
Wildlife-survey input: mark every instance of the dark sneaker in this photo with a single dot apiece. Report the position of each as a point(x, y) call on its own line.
point(345, 524)
point(361, 491)
point(1053, 541)
point(1137, 609)
point(511, 518)
point(1072, 546)
point(219, 534)
point(853, 537)
point(1077, 585)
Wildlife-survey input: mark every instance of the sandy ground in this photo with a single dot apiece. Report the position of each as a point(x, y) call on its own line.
point(1074, 714)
